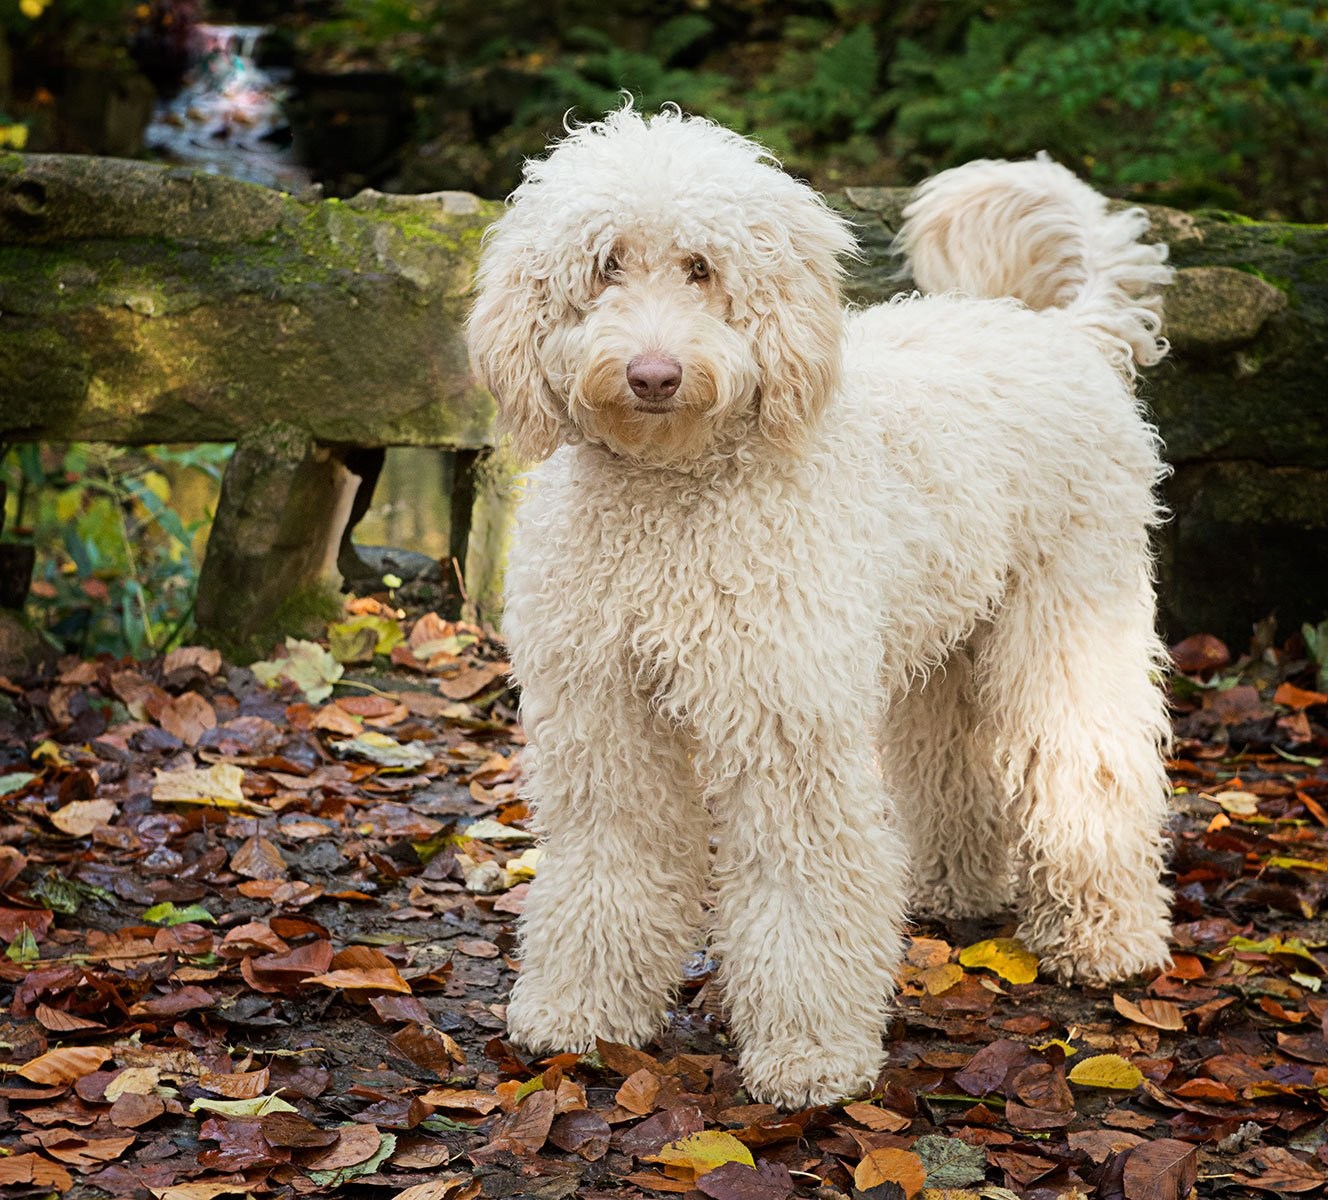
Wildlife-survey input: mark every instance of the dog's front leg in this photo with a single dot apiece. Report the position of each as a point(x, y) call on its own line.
point(810, 913)
point(616, 901)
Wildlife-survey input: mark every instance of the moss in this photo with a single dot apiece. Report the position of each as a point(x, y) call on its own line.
point(304, 613)
point(1280, 282)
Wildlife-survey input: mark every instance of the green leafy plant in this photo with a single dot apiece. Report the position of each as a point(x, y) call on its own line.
point(117, 564)
point(1187, 101)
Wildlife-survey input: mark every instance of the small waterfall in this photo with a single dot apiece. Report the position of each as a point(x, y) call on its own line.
point(228, 118)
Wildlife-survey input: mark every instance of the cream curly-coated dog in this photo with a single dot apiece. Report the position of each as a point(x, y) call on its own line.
point(864, 599)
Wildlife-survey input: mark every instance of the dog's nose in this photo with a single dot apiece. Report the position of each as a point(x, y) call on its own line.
point(654, 376)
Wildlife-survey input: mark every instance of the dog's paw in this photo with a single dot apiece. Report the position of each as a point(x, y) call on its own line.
point(548, 1025)
point(1106, 958)
point(798, 1079)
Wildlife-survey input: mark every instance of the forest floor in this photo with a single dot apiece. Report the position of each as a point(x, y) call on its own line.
point(259, 941)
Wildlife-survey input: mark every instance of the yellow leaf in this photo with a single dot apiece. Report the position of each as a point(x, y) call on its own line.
point(941, 979)
point(49, 752)
point(217, 786)
point(1068, 1050)
point(891, 1166)
point(702, 1152)
point(259, 1106)
point(1007, 957)
point(1107, 1071)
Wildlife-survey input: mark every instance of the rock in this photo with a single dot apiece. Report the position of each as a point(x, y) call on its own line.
point(1218, 308)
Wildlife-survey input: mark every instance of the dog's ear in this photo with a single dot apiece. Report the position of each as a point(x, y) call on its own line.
point(507, 324)
point(798, 314)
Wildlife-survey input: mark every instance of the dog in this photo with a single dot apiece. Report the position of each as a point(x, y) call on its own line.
point(863, 599)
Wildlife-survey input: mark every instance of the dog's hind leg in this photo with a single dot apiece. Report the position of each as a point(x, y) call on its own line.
point(1070, 670)
point(954, 806)
point(616, 901)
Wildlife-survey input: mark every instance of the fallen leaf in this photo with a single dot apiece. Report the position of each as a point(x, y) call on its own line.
point(1159, 1014)
point(692, 1156)
point(1007, 957)
point(891, 1166)
point(80, 817)
point(1107, 1071)
point(34, 1169)
point(1161, 1170)
point(64, 1065)
point(217, 786)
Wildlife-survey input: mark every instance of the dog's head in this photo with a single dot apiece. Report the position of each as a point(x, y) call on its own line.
point(652, 280)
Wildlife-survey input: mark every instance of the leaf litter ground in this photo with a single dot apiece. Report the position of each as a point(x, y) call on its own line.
point(259, 939)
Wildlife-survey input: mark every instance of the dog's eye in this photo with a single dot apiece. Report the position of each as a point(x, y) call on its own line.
point(698, 270)
point(609, 268)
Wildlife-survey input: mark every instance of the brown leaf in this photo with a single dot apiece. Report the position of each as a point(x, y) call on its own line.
point(57, 1020)
point(1161, 1170)
point(1294, 697)
point(259, 858)
point(655, 1132)
point(461, 1098)
point(239, 1085)
point(187, 717)
point(891, 1166)
point(429, 1048)
point(1159, 1014)
point(14, 920)
point(1279, 1171)
point(80, 817)
point(34, 1169)
point(64, 1065)
point(372, 979)
point(987, 1069)
point(1101, 1144)
point(1202, 652)
point(186, 999)
point(626, 1060)
point(80, 1152)
point(206, 660)
point(880, 1119)
point(526, 1130)
point(585, 1134)
point(476, 948)
point(293, 1130)
point(638, 1092)
point(737, 1181)
point(132, 1110)
point(355, 1144)
point(472, 679)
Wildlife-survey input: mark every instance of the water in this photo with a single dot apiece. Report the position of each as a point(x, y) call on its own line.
point(228, 118)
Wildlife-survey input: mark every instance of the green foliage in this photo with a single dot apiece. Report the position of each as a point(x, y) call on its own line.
point(117, 564)
point(594, 76)
point(1188, 101)
point(1316, 642)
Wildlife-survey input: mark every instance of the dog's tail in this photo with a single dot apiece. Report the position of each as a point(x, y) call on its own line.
point(1033, 231)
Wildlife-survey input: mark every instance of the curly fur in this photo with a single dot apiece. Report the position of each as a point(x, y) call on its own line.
point(869, 606)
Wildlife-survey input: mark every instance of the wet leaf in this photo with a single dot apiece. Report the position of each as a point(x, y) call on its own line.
point(950, 1162)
